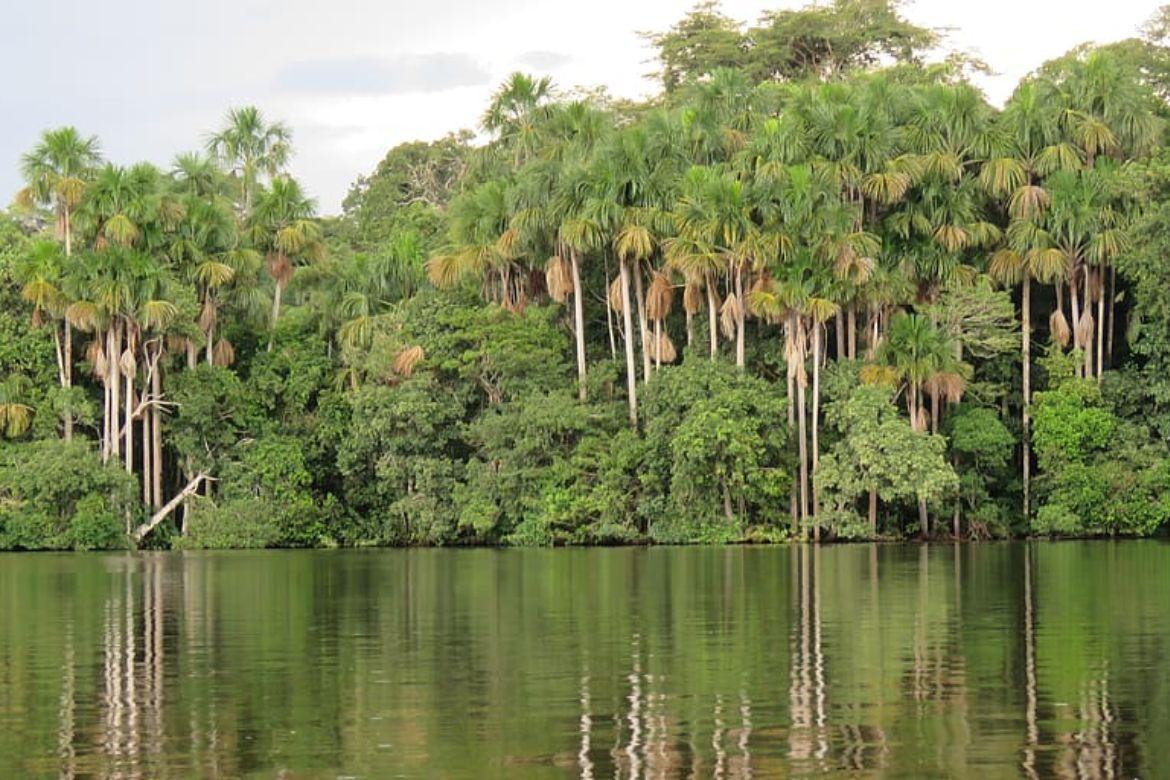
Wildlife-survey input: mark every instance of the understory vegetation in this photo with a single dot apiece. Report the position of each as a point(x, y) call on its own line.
point(816, 288)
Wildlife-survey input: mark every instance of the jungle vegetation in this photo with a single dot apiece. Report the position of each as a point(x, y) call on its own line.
point(816, 288)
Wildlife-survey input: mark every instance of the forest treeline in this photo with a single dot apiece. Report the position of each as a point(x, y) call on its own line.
point(817, 288)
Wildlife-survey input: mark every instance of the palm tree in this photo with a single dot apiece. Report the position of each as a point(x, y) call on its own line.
point(55, 172)
point(511, 114)
point(717, 235)
point(251, 147)
point(282, 226)
point(922, 357)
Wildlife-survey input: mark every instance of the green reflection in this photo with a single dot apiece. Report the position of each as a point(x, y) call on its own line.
point(1000, 660)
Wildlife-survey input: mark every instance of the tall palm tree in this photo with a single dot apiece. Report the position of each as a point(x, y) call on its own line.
point(512, 114)
point(921, 356)
point(283, 228)
point(251, 147)
point(55, 172)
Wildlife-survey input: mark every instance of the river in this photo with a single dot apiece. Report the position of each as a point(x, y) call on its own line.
point(987, 660)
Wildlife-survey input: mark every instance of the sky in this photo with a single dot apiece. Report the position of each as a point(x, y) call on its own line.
point(353, 78)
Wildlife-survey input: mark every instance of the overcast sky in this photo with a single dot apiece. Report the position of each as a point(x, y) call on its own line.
point(354, 77)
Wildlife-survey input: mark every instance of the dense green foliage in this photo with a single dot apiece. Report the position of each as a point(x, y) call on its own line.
point(798, 295)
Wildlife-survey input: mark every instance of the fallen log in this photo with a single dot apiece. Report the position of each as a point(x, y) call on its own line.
point(141, 531)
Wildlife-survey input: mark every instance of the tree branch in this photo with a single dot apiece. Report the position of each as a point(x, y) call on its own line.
point(162, 514)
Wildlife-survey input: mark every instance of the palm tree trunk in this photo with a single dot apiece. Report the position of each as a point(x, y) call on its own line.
point(113, 352)
point(1074, 304)
point(791, 397)
point(934, 411)
point(873, 507)
point(579, 322)
point(275, 312)
point(690, 330)
point(147, 469)
point(67, 348)
point(657, 344)
point(740, 314)
point(840, 331)
point(712, 324)
point(67, 351)
point(816, 403)
point(59, 355)
point(609, 316)
point(129, 425)
point(628, 320)
point(642, 322)
point(1100, 323)
point(802, 429)
point(852, 319)
point(956, 525)
point(211, 343)
point(1112, 301)
point(1026, 368)
point(156, 463)
point(105, 442)
point(1088, 303)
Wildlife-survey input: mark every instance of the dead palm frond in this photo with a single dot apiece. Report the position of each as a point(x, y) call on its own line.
point(660, 297)
point(407, 359)
point(223, 353)
point(558, 277)
point(1058, 327)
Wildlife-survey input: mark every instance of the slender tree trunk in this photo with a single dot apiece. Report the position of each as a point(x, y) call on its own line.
point(789, 338)
point(1026, 364)
point(628, 321)
point(873, 507)
point(852, 319)
point(114, 352)
point(579, 322)
point(816, 404)
point(156, 463)
point(657, 344)
point(740, 314)
point(955, 520)
point(1112, 303)
point(690, 330)
point(67, 348)
point(609, 316)
point(802, 430)
point(1074, 304)
point(105, 442)
point(643, 326)
point(59, 355)
point(712, 317)
point(276, 296)
point(1100, 323)
point(211, 343)
point(129, 425)
point(840, 332)
point(1088, 304)
point(147, 468)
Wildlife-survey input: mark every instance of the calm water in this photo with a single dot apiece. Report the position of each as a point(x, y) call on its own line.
point(898, 661)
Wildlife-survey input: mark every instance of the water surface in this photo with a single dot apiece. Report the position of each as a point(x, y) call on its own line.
point(998, 660)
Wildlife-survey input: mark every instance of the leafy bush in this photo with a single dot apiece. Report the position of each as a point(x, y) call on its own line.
point(56, 495)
